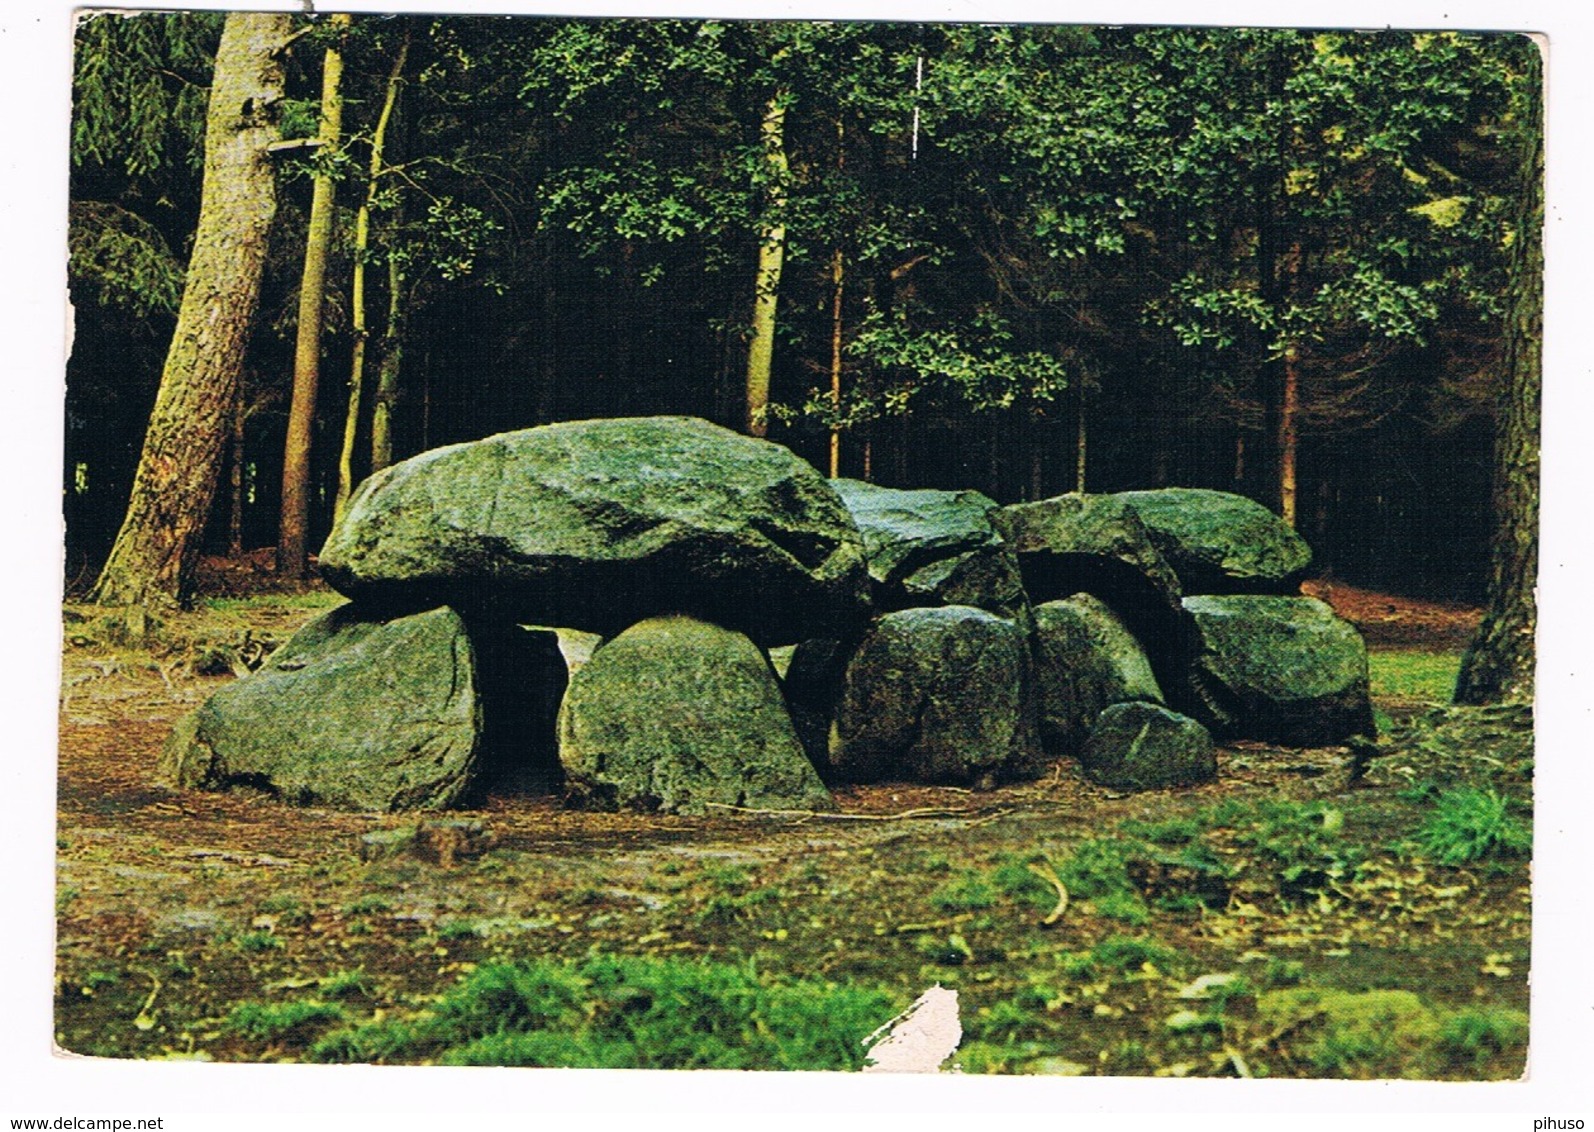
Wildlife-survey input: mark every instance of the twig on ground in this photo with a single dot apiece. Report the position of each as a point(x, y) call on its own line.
point(1049, 875)
point(905, 815)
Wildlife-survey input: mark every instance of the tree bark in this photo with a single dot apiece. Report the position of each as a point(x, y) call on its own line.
point(771, 261)
point(362, 242)
point(837, 280)
point(293, 529)
point(153, 557)
point(1498, 666)
point(235, 514)
point(387, 371)
point(1288, 440)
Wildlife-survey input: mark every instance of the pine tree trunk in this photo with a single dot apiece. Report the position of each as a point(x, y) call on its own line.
point(235, 513)
point(153, 557)
point(771, 261)
point(293, 529)
point(1498, 666)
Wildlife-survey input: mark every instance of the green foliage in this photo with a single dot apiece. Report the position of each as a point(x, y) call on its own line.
point(272, 1021)
point(257, 941)
point(1472, 824)
point(122, 260)
point(139, 93)
point(628, 1013)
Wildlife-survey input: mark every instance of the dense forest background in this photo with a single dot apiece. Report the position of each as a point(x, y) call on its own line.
point(1023, 259)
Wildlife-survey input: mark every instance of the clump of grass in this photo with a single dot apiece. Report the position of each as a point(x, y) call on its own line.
point(287, 908)
point(969, 892)
point(257, 942)
point(1471, 824)
point(1097, 872)
point(1120, 955)
point(627, 1012)
point(272, 1021)
point(1304, 841)
point(1474, 1037)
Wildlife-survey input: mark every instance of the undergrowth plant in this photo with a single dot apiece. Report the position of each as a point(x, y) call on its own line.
point(626, 1012)
point(1471, 824)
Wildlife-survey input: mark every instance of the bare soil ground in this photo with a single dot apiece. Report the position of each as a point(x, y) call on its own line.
point(176, 907)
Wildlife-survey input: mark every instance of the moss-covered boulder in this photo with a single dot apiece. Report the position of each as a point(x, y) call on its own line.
point(353, 712)
point(595, 525)
point(1085, 660)
point(1140, 746)
point(675, 714)
point(937, 695)
point(1280, 669)
point(1221, 543)
point(930, 548)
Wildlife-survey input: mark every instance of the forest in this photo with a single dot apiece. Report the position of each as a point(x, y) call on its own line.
point(1103, 465)
point(1021, 259)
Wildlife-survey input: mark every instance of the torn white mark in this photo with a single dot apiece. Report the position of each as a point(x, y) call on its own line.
point(920, 1039)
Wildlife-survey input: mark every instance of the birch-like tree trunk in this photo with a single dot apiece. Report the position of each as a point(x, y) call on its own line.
point(771, 261)
point(293, 528)
point(362, 243)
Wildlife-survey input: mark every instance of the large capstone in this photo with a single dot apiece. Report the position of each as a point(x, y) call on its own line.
point(1093, 544)
point(1281, 669)
point(934, 548)
point(352, 712)
point(937, 695)
point(1085, 660)
point(676, 714)
point(1221, 543)
point(595, 525)
point(1142, 746)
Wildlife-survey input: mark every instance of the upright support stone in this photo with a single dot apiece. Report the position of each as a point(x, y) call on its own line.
point(679, 715)
point(352, 712)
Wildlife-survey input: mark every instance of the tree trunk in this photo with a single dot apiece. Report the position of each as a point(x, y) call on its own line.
point(837, 279)
point(1288, 441)
point(1498, 666)
point(235, 513)
point(153, 557)
point(293, 530)
point(388, 367)
point(362, 243)
point(771, 260)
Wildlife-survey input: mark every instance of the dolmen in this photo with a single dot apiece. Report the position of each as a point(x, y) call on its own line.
point(925, 636)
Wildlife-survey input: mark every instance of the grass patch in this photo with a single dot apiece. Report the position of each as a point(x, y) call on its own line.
point(1097, 872)
point(272, 1021)
point(1472, 1038)
point(1414, 674)
point(1472, 824)
point(623, 1012)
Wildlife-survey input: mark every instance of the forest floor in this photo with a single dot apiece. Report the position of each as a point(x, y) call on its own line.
point(1313, 913)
